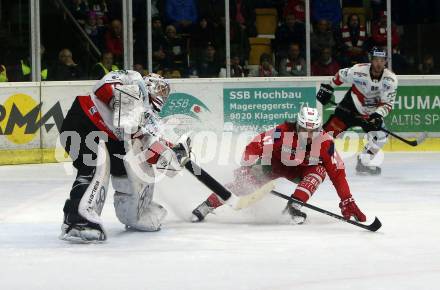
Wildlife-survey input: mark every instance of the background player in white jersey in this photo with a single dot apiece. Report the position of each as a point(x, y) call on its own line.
point(122, 111)
point(368, 101)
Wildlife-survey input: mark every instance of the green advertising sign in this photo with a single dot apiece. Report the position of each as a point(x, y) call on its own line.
point(183, 104)
point(259, 109)
point(416, 109)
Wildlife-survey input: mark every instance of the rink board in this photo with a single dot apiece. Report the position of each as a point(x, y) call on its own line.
point(31, 114)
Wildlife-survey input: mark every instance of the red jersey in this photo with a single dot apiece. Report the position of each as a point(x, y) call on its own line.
point(289, 157)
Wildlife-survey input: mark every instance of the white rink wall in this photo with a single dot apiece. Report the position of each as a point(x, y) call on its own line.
point(31, 113)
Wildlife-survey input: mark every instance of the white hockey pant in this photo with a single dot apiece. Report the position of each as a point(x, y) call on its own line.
point(376, 141)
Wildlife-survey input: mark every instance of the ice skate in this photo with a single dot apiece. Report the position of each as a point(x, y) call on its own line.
point(200, 212)
point(362, 169)
point(297, 216)
point(79, 230)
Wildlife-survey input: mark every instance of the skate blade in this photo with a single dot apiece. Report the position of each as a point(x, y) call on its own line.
point(195, 219)
point(297, 221)
point(80, 240)
point(363, 173)
point(142, 229)
point(287, 219)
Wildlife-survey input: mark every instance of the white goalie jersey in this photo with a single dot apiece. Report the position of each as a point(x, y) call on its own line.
point(368, 95)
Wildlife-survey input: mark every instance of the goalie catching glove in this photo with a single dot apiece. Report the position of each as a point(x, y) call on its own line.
point(128, 108)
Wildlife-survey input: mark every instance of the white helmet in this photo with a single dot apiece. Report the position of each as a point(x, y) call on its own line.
point(158, 90)
point(309, 118)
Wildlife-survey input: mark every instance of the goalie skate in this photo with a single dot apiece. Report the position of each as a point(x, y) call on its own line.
point(82, 232)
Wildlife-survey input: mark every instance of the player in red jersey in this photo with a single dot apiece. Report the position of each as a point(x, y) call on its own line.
point(299, 151)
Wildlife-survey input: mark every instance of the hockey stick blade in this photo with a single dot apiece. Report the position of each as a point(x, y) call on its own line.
point(412, 143)
point(374, 226)
point(249, 199)
point(422, 138)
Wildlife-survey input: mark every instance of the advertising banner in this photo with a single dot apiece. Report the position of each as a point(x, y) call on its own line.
point(416, 109)
point(261, 108)
point(20, 117)
point(193, 106)
point(31, 114)
point(56, 100)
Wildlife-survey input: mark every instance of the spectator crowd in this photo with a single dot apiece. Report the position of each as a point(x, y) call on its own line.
point(188, 39)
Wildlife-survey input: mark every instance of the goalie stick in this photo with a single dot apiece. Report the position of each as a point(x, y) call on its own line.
point(205, 178)
point(413, 143)
point(374, 226)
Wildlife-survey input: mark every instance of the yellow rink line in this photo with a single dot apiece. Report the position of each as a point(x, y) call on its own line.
point(26, 156)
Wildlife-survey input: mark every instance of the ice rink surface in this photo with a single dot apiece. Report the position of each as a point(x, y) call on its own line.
point(251, 249)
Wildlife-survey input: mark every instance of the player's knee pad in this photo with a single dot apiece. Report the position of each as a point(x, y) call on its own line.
point(309, 183)
point(92, 201)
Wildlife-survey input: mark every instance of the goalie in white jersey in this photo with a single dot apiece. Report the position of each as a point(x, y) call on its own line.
point(115, 131)
point(368, 101)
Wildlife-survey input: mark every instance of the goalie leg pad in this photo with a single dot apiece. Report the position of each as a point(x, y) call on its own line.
point(92, 202)
point(137, 210)
point(82, 216)
point(151, 218)
point(134, 193)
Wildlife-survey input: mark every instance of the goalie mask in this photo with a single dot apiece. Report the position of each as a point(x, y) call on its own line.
point(158, 90)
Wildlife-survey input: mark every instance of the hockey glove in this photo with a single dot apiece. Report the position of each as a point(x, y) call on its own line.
point(349, 209)
point(325, 93)
point(375, 122)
